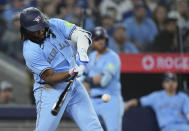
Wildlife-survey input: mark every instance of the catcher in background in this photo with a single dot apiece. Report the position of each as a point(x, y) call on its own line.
point(102, 76)
point(50, 58)
point(171, 107)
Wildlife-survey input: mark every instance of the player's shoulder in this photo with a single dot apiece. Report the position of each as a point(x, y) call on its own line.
point(182, 94)
point(157, 93)
point(55, 20)
point(112, 54)
point(149, 21)
point(129, 20)
point(30, 48)
point(92, 54)
point(59, 22)
point(30, 45)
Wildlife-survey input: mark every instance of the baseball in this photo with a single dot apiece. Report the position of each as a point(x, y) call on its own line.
point(106, 98)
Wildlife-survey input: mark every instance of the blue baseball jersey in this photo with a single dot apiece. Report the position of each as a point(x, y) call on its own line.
point(108, 62)
point(55, 53)
point(169, 110)
point(143, 33)
point(128, 47)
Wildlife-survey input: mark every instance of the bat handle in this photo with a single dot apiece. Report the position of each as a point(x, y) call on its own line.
point(54, 112)
point(58, 104)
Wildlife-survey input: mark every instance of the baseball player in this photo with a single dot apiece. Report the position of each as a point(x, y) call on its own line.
point(171, 107)
point(103, 77)
point(49, 56)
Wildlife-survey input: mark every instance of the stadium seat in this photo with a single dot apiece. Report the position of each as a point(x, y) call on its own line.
point(140, 119)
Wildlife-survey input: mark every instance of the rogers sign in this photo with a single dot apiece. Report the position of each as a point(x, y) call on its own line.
point(148, 62)
point(179, 63)
point(155, 62)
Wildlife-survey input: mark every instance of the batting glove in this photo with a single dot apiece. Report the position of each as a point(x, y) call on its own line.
point(77, 70)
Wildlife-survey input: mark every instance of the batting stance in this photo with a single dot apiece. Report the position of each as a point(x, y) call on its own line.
point(103, 77)
point(49, 56)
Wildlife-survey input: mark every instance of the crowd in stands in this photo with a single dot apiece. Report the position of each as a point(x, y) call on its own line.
point(6, 93)
point(133, 26)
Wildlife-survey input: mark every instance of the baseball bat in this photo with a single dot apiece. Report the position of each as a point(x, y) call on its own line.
point(62, 97)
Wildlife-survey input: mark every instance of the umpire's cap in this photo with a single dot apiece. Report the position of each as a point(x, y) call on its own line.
point(170, 77)
point(99, 33)
point(33, 20)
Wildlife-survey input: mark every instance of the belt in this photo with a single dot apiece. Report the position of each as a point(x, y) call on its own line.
point(97, 97)
point(44, 84)
point(49, 84)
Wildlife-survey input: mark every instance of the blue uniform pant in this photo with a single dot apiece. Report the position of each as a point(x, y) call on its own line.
point(111, 113)
point(77, 105)
point(177, 127)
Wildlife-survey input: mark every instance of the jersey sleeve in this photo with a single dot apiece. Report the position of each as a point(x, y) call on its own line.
point(147, 100)
point(186, 105)
point(113, 65)
point(65, 27)
point(36, 61)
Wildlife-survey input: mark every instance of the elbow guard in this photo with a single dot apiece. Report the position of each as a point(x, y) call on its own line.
point(83, 40)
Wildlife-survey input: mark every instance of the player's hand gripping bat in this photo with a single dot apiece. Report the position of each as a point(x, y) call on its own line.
point(62, 97)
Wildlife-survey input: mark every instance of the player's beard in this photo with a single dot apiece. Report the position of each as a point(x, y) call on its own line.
point(39, 39)
point(102, 50)
point(26, 35)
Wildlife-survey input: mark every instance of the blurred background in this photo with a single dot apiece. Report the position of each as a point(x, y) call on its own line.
point(160, 44)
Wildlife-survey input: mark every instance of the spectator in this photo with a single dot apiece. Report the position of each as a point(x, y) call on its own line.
point(152, 4)
point(2, 27)
point(3, 2)
point(108, 23)
point(167, 40)
point(130, 5)
point(49, 8)
point(186, 42)
point(67, 8)
point(159, 16)
point(15, 7)
point(119, 6)
point(140, 29)
point(6, 94)
point(167, 3)
point(181, 13)
point(94, 6)
point(120, 42)
point(171, 107)
point(80, 16)
point(11, 40)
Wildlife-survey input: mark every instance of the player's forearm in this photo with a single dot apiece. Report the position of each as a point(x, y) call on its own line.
point(96, 80)
point(58, 77)
point(131, 103)
point(87, 87)
point(51, 77)
point(102, 80)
